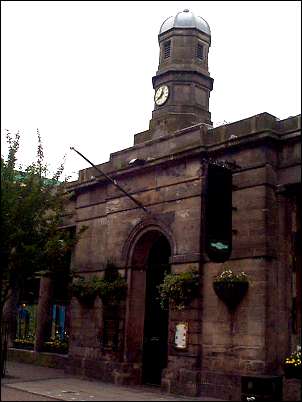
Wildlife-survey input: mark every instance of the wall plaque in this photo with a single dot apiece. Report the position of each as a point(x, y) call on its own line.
point(181, 335)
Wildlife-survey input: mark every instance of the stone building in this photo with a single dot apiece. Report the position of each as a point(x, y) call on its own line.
point(166, 171)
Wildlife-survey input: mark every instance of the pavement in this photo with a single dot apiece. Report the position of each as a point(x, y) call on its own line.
point(27, 382)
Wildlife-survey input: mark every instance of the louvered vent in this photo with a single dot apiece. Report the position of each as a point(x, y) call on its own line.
point(199, 51)
point(167, 49)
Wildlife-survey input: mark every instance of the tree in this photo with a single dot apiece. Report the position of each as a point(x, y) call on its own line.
point(33, 205)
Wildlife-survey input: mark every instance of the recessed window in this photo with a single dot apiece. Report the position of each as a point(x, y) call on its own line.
point(167, 49)
point(199, 51)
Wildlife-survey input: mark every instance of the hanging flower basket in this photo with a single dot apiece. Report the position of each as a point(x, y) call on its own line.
point(112, 292)
point(292, 366)
point(85, 290)
point(112, 288)
point(230, 287)
point(178, 290)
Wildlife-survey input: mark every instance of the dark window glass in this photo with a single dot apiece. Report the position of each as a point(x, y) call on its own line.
point(26, 326)
point(199, 51)
point(167, 49)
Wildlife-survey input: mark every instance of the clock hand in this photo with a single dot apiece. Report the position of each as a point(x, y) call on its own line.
point(159, 94)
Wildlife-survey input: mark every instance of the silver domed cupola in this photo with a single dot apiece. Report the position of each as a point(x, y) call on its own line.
point(185, 19)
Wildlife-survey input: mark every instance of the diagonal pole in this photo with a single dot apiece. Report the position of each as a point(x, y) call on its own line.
point(114, 182)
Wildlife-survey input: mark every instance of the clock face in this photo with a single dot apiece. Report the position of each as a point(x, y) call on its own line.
point(161, 95)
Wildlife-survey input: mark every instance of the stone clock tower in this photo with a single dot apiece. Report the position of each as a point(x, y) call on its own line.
point(182, 83)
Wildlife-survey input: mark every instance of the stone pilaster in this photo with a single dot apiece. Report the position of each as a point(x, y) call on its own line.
point(44, 312)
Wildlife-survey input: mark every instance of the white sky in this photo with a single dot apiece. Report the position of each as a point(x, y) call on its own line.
point(81, 71)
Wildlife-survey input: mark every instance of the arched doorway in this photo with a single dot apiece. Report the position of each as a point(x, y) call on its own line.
point(155, 347)
point(147, 323)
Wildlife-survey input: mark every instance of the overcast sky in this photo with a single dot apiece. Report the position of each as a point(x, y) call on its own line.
point(81, 71)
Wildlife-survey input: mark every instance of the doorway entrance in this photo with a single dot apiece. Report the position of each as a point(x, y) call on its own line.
point(155, 339)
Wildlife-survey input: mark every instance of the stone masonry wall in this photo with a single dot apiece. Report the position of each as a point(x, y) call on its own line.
point(222, 345)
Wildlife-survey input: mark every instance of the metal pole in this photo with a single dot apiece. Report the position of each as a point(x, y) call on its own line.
point(114, 182)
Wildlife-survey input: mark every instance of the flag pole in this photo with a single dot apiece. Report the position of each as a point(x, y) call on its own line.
point(114, 182)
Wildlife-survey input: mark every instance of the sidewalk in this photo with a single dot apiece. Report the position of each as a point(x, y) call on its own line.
point(26, 382)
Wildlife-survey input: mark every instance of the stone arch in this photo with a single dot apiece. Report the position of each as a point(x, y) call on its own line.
point(146, 228)
point(146, 236)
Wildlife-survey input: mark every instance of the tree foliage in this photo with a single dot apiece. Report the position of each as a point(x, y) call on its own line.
point(32, 211)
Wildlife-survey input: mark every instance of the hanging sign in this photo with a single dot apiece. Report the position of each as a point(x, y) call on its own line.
point(181, 335)
point(218, 213)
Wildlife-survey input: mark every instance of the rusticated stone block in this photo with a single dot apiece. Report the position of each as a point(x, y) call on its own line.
point(256, 366)
point(187, 314)
point(221, 385)
point(292, 389)
point(181, 381)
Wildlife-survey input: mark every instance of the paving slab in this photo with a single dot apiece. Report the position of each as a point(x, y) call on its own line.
point(73, 389)
point(11, 394)
point(53, 384)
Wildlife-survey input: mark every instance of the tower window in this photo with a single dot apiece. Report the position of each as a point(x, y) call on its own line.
point(199, 51)
point(167, 49)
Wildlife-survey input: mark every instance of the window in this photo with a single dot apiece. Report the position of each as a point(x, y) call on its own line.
point(26, 326)
point(167, 49)
point(58, 325)
point(199, 51)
